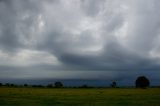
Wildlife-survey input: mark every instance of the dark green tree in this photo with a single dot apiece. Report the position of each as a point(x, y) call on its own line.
point(49, 86)
point(142, 82)
point(84, 86)
point(114, 84)
point(58, 84)
point(7, 84)
point(25, 85)
point(1, 84)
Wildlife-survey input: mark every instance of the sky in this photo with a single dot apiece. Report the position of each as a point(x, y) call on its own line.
point(80, 40)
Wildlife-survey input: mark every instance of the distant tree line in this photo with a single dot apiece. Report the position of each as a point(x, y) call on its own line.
point(55, 85)
point(141, 82)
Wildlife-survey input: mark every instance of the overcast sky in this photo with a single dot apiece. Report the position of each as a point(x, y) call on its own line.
point(80, 39)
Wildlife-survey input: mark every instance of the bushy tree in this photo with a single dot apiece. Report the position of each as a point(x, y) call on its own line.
point(38, 86)
point(142, 82)
point(7, 84)
point(25, 85)
point(84, 86)
point(49, 86)
point(12, 85)
point(58, 84)
point(114, 84)
point(1, 84)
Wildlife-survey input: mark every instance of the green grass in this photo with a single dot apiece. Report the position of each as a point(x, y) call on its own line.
point(79, 97)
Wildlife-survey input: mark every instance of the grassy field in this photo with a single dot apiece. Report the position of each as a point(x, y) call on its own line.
point(79, 97)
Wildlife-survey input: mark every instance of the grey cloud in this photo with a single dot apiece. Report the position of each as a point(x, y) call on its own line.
point(93, 7)
point(17, 20)
point(143, 26)
point(114, 57)
point(82, 36)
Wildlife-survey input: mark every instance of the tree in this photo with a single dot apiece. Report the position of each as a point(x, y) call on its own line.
point(49, 86)
point(58, 84)
point(7, 84)
point(25, 85)
point(142, 82)
point(114, 84)
point(12, 85)
point(1, 84)
point(84, 86)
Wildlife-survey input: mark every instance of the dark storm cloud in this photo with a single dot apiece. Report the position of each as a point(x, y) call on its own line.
point(114, 58)
point(67, 39)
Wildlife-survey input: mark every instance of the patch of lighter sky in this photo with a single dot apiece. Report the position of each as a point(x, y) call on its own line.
point(4, 57)
point(121, 34)
point(155, 53)
point(36, 32)
point(25, 16)
point(29, 57)
point(35, 57)
point(92, 25)
point(41, 22)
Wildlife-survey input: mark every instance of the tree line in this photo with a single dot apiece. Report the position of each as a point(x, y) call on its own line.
point(141, 82)
point(57, 84)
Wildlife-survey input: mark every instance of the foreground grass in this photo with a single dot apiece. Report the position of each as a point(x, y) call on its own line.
point(79, 97)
